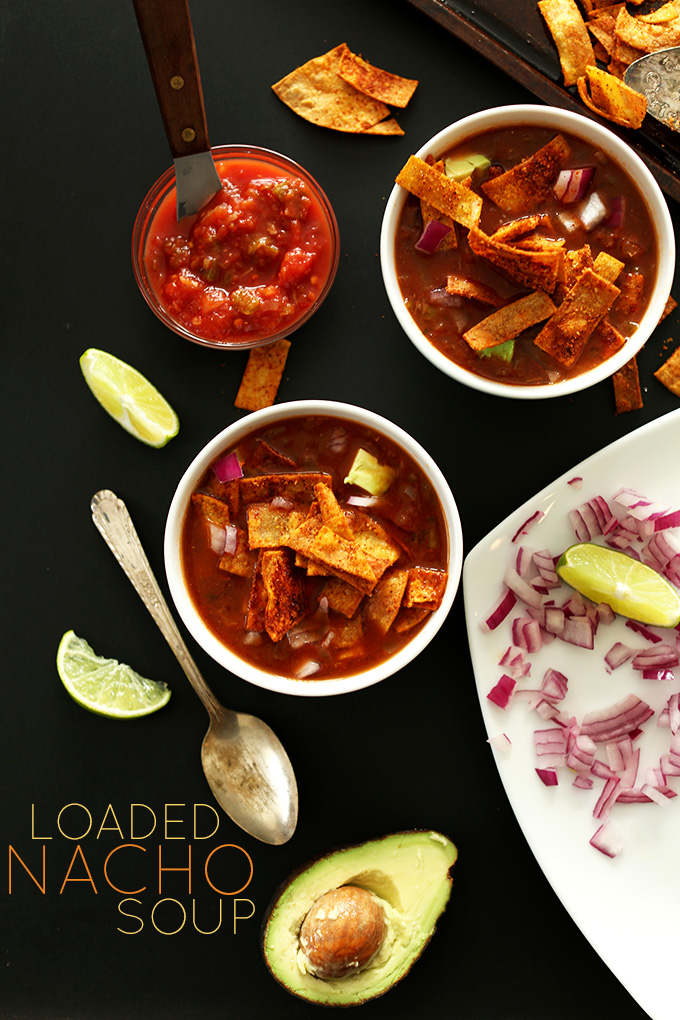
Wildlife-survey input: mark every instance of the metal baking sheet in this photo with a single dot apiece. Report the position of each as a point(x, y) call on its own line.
point(513, 36)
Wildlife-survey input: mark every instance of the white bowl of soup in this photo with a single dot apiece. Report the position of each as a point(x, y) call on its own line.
point(313, 548)
point(553, 270)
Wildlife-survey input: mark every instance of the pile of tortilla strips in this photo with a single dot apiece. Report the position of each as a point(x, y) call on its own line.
point(296, 529)
point(340, 90)
point(607, 34)
point(570, 292)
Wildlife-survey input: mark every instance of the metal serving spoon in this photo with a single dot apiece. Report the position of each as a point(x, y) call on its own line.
point(244, 762)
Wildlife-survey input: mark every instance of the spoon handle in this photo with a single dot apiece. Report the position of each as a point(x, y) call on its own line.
point(112, 519)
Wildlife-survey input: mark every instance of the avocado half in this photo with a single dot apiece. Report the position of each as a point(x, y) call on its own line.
point(409, 873)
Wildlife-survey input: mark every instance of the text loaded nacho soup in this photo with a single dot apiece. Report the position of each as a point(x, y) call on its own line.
point(320, 553)
point(543, 264)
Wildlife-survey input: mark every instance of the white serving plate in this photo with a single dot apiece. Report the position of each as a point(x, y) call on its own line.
point(627, 907)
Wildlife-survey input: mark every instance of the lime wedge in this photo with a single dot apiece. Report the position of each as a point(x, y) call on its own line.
point(129, 398)
point(106, 686)
point(631, 588)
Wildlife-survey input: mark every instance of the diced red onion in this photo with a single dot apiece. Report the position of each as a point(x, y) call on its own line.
point(501, 694)
point(646, 633)
point(499, 610)
point(618, 720)
point(228, 468)
point(434, 231)
point(526, 634)
point(362, 500)
point(529, 523)
point(658, 674)
point(522, 590)
point(547, 776)
point(659, 797)
point(605, 613)
point(606, 798)
point(608, 840)
point(578, 630)
point(501, 742)
point(618, 654)
point(572, 185)
point(583, 782)
point(281, 503)
point(554, 620)
point(554, 684)
point(218, 537)
point(656, 657)
point(576, 481)
point(230, 539)
point(308, 668)
point(592, 212)
point(617, 212)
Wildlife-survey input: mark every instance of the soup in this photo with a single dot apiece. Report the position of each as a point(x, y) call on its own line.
point(315, 548)
point(450, 290)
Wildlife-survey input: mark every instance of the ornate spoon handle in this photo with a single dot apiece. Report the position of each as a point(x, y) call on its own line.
point(113, 521)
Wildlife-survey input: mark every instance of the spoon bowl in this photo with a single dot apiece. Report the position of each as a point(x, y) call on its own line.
point(246, 766)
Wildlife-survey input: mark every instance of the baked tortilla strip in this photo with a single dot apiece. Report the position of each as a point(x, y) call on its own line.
point(566, 333)
point(627, 394)
point(374, 82)
point(567, 27)
point(522, 188)
point(445, 194)
point(669, 373)
point(509, 321)
point(535, 270)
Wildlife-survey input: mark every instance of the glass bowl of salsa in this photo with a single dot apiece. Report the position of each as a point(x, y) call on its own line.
point(313, 548)
point(252, 265)
point(561, 269)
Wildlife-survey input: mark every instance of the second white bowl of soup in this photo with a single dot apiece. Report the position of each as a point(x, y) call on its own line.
point(544, 195)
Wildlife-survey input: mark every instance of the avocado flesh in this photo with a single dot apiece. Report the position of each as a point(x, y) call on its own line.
point(408, 871)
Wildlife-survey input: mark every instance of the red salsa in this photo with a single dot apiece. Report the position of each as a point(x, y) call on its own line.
point(251, 263)
point(297, 567)
point(607, 215)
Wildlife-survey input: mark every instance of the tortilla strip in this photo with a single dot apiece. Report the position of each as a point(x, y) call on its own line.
point(269, 527)
point(535, 270)
point(346, 633)
point(669, 373)
point(575, 261)
point(257, 601)
point(331, 513)
point(603, 30)
point(425, 585)
point(669, 307)
point(242, 560)
point(383, 127)
point(285, 593)
point(385, 602)
point(473, 289)
point(372, 81)
point(287, 485)
point(374, 542)
point(610, 97)
point(514, 229)
point(212, 508)
point(445, 194)
point(428, 212)
point(266, 457)
point(666, 13)
point(315, 540)
point(632, 286)
point(341, 597)
point(567, 27)
point(607, 266)
point(567, 332)
point(645, 36)
point(627, 395)
point(262, 376)
point(526, 185)
point(316, 92)
point(509, 321)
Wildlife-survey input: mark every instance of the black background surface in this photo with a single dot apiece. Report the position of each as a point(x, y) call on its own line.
point(83, 142)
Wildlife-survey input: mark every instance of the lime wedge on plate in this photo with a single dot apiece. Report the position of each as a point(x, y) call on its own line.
point(129, 398)
point(631, 588)
point(106, 686)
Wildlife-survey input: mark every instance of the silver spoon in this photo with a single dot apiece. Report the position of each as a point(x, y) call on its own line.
point(244, 762)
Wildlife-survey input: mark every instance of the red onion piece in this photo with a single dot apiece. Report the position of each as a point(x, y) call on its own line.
point(616, 721)
point(576, 481)
point(547, 776)
point(499, 610)
point(501, 694)
point(230, 539)
point(529, 523)
point(572, 185)
point(608, 840)
point(656, 657)
point(671, 520)
point(592, 212)
point(218, 538)
point(434, 231)
point(617, 213)
point(228, 467)
point(500, 742)
point(522, 590)
point(618, 654)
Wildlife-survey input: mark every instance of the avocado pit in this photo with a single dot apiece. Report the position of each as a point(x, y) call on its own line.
point(342, 932)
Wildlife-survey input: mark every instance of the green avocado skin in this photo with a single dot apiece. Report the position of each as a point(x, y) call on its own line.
point(410, 872)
